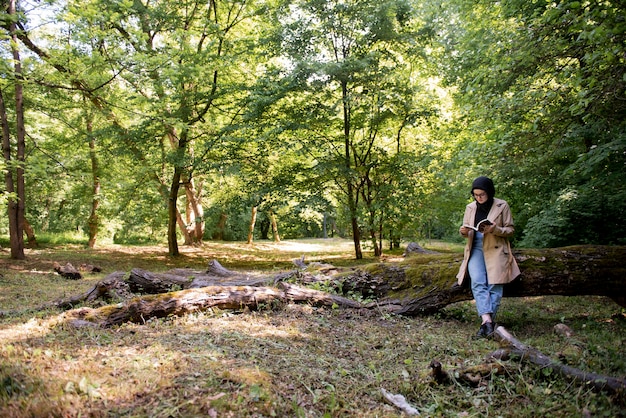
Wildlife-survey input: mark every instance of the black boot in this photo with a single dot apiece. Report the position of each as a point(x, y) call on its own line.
point(482, 332)
point(485, 331)
point(488, 328)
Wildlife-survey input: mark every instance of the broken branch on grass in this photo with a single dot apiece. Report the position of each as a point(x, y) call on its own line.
point(400, 402)
point(472, 375)
point(597, 381)
point(475, 375)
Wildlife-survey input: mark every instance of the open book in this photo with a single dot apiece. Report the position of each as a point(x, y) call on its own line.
point(480, 227)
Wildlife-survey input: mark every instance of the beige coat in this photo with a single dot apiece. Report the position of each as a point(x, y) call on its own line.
point(501, 265)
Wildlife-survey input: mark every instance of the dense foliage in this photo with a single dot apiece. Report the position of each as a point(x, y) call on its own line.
point(352, 118)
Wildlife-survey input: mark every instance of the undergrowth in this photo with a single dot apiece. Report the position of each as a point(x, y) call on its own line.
point(286, 360)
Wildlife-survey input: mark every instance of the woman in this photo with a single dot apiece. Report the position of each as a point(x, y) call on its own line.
point(488, 259)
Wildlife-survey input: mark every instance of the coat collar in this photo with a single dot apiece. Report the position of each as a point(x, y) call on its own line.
point(496, 208)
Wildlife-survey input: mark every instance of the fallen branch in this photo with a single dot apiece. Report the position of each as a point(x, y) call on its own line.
point(67, 271)
point(476, 375)
point(597, 381)
point(473, 375)
point(399, 402)
point(111, 287)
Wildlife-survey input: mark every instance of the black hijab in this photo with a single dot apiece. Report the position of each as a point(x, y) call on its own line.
point(482, 210)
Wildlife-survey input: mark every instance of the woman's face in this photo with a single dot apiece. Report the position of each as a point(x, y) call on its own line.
point(480, 195)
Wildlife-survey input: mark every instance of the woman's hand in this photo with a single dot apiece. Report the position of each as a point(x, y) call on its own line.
point(464, 231)
point(488, 229)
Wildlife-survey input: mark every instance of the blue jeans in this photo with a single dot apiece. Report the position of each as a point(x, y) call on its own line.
point(487, 296)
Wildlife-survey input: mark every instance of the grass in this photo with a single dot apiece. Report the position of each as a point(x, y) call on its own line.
point(284, 361)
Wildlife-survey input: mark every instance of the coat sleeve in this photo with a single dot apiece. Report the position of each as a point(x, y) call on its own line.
point(466, 220)
point(504, 222)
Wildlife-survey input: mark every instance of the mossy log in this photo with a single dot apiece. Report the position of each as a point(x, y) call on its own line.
point(421, 284)
point(426, 283)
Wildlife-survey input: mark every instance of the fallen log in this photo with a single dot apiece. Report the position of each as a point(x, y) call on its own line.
point(422, 284)
point(426, 283)
point(141, 309)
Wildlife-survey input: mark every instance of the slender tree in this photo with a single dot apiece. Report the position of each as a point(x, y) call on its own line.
point(14, 177)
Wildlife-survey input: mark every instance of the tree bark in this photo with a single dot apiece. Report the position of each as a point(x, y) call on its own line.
point(16, 205)
point(274, 226)
point(93, 221)
point(172, 243)
point(30, 234)
point(179, 144)
point(351, 190)
point(424, 284)
point(195, 212)
point(252, 224)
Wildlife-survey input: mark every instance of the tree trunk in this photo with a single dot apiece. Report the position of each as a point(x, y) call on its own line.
point(368, 200)
point(426, 283)
point(195, 212)
point(252, 224)
point(15, 186)
point(184, 229)
point(377, 252)
point(93, 221)
point(30, 234)
point(179, 144)
point(173, 214)
point(274, 226)
point(356, 237)
point(220, 227)
point(350, 189)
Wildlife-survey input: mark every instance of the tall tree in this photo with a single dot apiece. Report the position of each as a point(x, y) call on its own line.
point(342, 54)
point(14, 177)
point(93, 222)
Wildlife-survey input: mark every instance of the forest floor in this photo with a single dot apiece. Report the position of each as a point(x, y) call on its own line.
point(285, 361)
